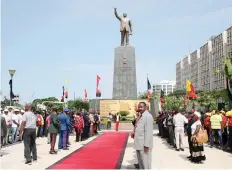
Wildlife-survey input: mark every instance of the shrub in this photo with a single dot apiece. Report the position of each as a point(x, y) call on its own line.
point(124, 113)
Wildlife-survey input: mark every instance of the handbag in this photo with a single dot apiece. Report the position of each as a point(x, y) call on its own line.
point(202, 136)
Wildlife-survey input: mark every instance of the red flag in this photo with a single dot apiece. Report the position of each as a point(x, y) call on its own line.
point(86, 94)
point(98, 93)
point(62, 98)
point(66, 93)
point(98, 80)
point(192, 88)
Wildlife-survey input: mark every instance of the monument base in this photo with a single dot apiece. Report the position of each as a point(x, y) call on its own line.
point(124, 81)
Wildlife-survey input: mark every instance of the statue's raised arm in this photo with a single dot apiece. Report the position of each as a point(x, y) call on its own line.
point(116, 14)
point(125, 27)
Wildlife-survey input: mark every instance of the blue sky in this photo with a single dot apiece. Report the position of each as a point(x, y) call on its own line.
point(47, 41)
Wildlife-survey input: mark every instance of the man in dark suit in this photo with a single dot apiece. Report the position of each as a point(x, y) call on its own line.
point(53, 129)
point(64, 125)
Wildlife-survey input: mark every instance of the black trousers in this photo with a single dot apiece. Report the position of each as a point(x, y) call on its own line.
point(230, 138)
point(171, 135)
point(29, 144)
point(77, 135)
point(85, 133)
point(224, 137)
point(53, 141)
point(190, 144)
point(108, 126)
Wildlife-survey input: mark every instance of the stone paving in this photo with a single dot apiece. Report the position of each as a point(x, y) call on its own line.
point(163, 156)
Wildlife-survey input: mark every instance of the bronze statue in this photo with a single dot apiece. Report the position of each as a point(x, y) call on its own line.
point(125, 27)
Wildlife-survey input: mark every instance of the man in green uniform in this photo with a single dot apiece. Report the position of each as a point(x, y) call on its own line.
point(53, 129)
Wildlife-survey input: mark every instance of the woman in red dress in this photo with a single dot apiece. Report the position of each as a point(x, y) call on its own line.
point(79, 125)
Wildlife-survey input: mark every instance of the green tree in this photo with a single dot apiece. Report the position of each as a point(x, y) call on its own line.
point(178, 93)
point(143, 95)
point(78, 105)
point(174, 103)
point(49, 102)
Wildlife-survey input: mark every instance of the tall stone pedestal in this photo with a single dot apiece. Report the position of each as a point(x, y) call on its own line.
point(124, 82)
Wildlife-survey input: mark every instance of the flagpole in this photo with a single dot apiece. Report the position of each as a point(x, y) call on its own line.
point(95, 107)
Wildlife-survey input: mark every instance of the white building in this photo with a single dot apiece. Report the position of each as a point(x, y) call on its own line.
point(165, 85)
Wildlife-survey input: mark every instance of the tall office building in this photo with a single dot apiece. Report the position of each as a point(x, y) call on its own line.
point(203, 66)
point(165, 85)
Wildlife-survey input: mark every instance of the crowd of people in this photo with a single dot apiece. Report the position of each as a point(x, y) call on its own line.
point(18, 125)
point(174, 125)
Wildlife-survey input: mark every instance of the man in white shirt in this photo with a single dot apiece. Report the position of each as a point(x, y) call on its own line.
point(179, 120)
point(28, 128)
point(15, 125)
point(8, 124)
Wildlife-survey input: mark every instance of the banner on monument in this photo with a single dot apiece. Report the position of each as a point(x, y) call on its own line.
point(114, 106)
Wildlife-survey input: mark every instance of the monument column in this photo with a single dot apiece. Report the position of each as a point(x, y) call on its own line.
point(124, 81)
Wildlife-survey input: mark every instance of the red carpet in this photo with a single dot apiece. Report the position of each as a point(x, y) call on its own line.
point(105, 152)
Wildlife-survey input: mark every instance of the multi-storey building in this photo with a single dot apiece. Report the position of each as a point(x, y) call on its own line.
point(193, 74)
point(166, 86)
point(185, 70)
point(178, 75)
point(229, 42)
point(203, 67)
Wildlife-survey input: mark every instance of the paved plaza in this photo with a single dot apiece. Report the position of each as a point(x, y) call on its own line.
point(163, 156)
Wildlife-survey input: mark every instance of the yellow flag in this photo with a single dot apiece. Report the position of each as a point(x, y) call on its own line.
point(188, 86)
point(66, 81)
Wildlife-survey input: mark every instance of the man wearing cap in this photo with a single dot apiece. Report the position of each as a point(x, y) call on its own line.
point(64, 125)
point(15, 125)
point(8, 124)
point(53, 129)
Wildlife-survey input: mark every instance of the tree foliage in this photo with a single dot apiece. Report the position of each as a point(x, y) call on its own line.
point(227, 62)
point(174, 103)
point(78, 105)
point(143, 95)
point(178, 93)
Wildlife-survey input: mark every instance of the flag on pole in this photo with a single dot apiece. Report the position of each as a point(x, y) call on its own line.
point(190, 90)
point(188, 86)
point(148, 90)
point(148, 84)
point(98, 93)
point(62, 97)
point(98, 80)
point(66, 90)
point(86, 96)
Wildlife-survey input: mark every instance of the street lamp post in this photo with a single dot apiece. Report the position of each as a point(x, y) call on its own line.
point(12, 72)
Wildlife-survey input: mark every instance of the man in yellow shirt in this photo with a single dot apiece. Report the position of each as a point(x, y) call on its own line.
point(216, 128)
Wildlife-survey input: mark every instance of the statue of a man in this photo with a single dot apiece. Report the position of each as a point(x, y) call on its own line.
point(125, 27)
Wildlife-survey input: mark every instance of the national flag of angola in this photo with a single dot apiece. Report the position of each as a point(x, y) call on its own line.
point(98, 93)
point(162, 99)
